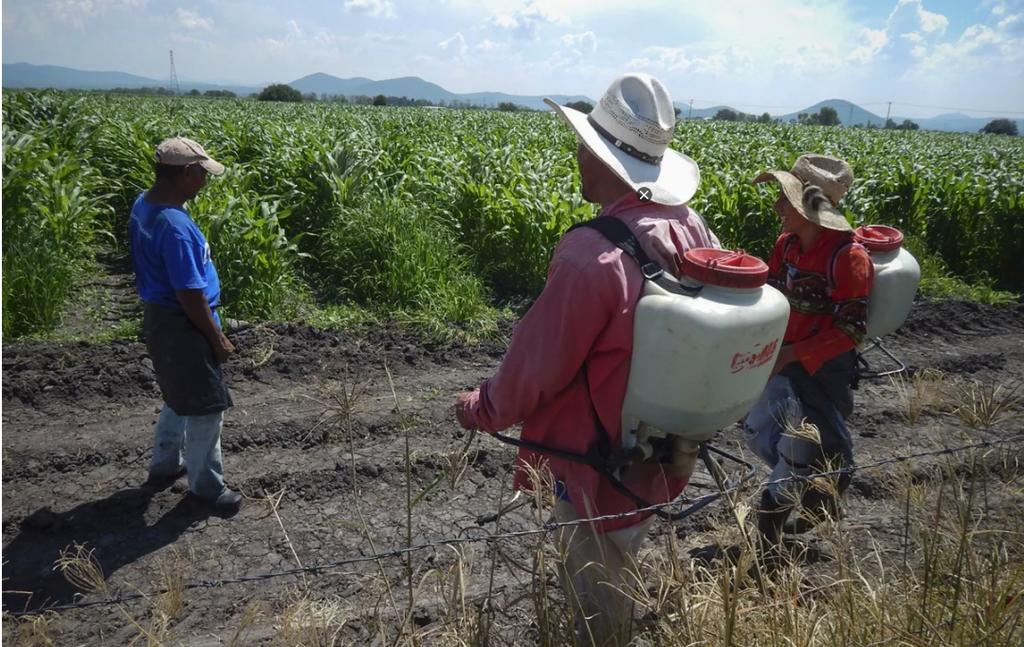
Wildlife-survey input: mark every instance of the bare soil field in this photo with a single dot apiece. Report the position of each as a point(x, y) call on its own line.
point(318, 442)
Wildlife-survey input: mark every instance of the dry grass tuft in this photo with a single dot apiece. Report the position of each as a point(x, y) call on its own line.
point(982, 405)
point(157, 634)
point(962, 585)
point(38, 630)
point(252, 615)
point(806, 431)
point(927, 389)
point(172, 571)
point(456, 461)
point(313, 623)
point(82, 569)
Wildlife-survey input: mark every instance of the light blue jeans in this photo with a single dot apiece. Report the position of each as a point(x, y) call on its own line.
point(192, 442)
point(767, 434)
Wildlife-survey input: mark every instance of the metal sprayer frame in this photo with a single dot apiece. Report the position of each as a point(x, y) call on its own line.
point(865, 368)
point(608, 467)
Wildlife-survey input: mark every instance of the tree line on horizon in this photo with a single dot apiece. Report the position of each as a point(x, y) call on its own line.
point(826, 116)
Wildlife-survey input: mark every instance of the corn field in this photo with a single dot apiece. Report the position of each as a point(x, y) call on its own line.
point(437, 217)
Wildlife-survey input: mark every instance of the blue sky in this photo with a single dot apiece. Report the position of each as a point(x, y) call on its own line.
point(760, 55)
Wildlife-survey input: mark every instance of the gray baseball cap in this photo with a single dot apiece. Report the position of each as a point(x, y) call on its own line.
point(182, 151)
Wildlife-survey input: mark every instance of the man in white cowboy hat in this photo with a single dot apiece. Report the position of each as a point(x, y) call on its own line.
point(827, 276)
point(565, 372)
point(177, 281)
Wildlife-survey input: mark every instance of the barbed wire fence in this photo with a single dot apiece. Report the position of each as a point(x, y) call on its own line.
point(324, 568)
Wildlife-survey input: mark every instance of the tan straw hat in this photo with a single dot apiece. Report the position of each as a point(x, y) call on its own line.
point(182, 151)
point(831, 175)
point(629, 130)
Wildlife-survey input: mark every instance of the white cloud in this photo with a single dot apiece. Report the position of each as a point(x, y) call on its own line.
point(192, 20)
point(910, 15)
point(980, 47)
point(505, 21)
point(1012, 24)
point(875, 40)
point(975, 39)
point(375, 8)
point(76, 11)
point(679, 59)
point(1003, 7)
point(523, 23)
point(488, 45)
point(456, 45)
point(297, 40)
point(666, 58)
point(584, 43)
point(910, 32)
point(930, 22)
point(575, 50)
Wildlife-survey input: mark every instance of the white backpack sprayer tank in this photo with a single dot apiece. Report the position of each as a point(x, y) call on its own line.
point(700, 362)
point(703, 351)
point(897, 275)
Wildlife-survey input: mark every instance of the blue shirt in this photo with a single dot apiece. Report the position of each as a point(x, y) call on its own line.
point(169, 254)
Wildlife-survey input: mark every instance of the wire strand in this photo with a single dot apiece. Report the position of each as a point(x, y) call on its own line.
point(325, 567)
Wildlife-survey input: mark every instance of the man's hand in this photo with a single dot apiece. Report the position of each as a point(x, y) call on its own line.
point(223, 348)
point(463, 402)
point(197, 309)
point(786, 356)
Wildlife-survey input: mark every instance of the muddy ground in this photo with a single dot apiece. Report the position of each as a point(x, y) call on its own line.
point(77, 422)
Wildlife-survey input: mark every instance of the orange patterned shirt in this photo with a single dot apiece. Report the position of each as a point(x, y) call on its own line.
point(828, 307)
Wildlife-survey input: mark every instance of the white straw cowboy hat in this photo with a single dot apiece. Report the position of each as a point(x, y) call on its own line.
point(182, 151)
point(833, 176)
point(629, 130)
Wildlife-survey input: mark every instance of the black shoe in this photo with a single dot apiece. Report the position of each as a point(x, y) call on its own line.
point(798, 526)
point(163, 481)
point(817, 507)
point(226, 504)
point(771, 518)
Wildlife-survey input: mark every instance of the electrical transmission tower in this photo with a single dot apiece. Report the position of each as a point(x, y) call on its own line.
point(175, 88)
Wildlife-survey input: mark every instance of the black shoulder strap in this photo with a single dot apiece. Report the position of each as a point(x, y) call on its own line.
point(622, 237)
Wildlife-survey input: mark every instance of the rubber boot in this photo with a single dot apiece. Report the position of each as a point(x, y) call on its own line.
point(771, 517)
point(817, 507)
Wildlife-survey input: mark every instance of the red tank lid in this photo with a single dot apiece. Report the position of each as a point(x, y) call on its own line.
point(724, 268)
point(879, 238)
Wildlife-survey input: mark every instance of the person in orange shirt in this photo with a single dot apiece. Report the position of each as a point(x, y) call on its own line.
point(827, 277)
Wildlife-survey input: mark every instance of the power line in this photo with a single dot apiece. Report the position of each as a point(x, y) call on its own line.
point(736, 104)
point(917, 105)
point(321, 569)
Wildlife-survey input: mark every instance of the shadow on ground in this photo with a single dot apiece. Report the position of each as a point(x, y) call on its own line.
point(113, 527)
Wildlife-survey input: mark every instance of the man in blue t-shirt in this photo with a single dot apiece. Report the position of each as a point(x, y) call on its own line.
point(177, 281)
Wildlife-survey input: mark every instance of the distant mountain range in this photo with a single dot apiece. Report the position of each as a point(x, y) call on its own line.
point(26, 75)
point(850, 114)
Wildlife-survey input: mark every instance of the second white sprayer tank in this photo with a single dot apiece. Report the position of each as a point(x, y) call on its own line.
point(897, 274)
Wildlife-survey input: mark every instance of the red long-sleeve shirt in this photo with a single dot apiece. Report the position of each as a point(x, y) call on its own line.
point(584, 317)
point(823, 322)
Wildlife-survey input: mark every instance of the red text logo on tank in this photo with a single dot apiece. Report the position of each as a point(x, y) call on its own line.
point(744, 361)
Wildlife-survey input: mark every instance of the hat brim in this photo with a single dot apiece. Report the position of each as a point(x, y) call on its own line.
point(673, 182)
point(212, 166)
point(793, 188)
